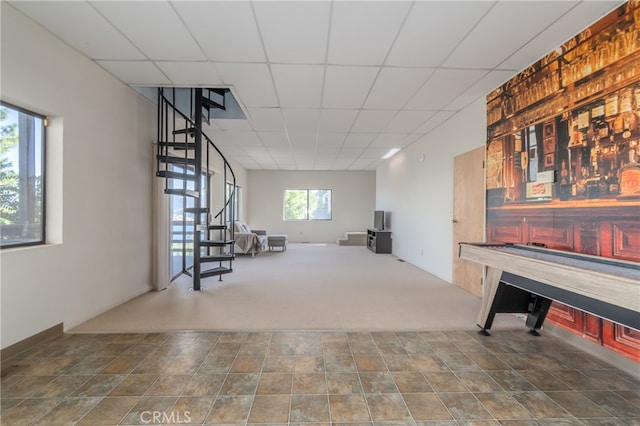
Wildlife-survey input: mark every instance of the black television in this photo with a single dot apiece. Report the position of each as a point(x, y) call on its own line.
point(378, 220)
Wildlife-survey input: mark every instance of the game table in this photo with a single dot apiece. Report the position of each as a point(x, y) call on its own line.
point(526, 279)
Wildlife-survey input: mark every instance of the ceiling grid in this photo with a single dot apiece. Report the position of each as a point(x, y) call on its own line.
point(327, 85)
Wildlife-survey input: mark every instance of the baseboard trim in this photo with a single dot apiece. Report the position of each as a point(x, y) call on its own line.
point(7, 354)
point(592, 348)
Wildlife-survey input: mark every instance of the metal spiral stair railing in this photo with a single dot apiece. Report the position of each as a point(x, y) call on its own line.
point(182, 162)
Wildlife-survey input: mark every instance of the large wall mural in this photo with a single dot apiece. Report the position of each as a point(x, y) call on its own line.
point(562, 159)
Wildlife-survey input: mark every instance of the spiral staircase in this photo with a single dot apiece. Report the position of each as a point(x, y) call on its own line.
point(186, 158)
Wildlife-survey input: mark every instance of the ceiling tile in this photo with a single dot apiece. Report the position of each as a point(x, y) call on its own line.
point(347, 87)
point(246, 139)
point(433, 30)
point(351, 153)
point(331, 139)
point(252, 82)
point(222, 137)
point(374, 153)
point(304, 163)
point(154, 27)
point(395, 86)
point(294, 32)
point(213, 34)
point(413, 138)
point(407, 121)
point(488, 83)
point(190, 73)
point(484, 48)
point(388, 141)
point(443, 87)
point(298, 86)
point(301, 120)
point(372, 121)
point(303, 151)
point(363, 164)
point(266, 119)
point(82, 27)
point(567, 26)
point(439, 118)
point(337, 120)
point(242, 139)
point(287, 165)
point(342, 163)
point(327, 152)
point(248, 163)
point(302, 140)
point(279, 154)
point(136, 72)
point(281, 157)
point(267, 164)
point(258, 152)
point(274, 139)
point(321, 164)
point(359, 140)
point(235, 152)
point(233, 124)
point(362, 32)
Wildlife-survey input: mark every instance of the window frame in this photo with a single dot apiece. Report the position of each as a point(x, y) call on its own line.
point(308, 218)
point(43, 173)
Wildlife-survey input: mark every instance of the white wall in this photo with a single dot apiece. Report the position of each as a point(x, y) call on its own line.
point(353, 196)
point(99, 177)
point(420, 194)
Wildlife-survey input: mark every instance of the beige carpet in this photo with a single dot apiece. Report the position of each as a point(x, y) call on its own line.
point(308, 287)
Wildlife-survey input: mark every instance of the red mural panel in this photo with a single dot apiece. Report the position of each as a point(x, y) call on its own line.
point(562, 161)
point(624, 340)
point(626, 240)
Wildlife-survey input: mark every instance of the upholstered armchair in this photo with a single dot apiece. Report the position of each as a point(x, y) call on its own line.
point(247, 240)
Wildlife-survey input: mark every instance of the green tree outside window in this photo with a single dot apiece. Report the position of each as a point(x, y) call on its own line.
point(307, 204)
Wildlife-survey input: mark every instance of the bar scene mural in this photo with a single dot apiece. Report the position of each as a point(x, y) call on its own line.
point(562, 158)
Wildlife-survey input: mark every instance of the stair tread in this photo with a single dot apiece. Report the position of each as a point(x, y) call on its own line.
point(216, 243)
point(210, 103)
point(215, 271)
point(175, 175)
point(217, 258)
point(184, 192)
point(178, 145)
point(196, 210)
point(189, 130)
point(217, 227)
point(179, 160)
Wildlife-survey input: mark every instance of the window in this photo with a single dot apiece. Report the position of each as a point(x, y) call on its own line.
point(183, 222)
point(22, 140)
point(236, 203)
point(307, 204)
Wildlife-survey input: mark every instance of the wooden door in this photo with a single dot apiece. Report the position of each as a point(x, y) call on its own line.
point(468, 216)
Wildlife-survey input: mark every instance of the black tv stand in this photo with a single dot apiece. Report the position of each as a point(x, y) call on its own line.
point(379, 241)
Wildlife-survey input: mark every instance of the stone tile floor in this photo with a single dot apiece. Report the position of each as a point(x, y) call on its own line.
point(316, 378)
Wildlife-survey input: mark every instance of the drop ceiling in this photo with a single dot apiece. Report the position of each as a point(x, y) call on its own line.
point(326, 85)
